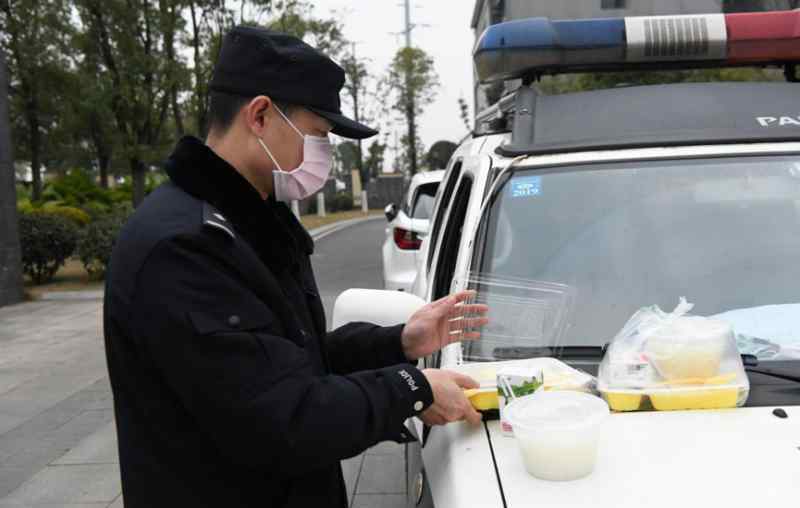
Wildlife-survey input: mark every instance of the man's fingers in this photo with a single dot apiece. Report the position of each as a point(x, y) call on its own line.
point(464, 295)
point(459, 336)
point(470, 336)
point(464, 381)
point(472, 416)
point(434, 416)
point(448, 302)
point(445, 301)
point(462, 323)
point(468, 309)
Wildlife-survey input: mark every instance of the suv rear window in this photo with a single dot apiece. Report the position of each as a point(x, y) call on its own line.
point(423, 201)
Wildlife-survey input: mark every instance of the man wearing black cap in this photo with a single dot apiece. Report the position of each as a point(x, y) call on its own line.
point(228, 391)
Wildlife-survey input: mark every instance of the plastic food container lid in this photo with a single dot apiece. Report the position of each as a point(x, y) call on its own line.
point(559, 409)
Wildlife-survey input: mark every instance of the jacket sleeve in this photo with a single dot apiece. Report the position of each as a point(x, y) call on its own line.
point(220, 351)
point(361, 346)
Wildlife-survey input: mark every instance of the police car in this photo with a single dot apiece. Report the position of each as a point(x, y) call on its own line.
point(632, 196)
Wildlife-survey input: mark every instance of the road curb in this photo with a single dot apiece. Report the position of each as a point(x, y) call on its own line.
point(322, 232)
point(72, 296)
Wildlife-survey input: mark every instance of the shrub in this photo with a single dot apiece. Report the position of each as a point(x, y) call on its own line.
point(96, 209)
point(97, 242)
point(342, 202)
point(75, 215)
point(75, 189)
point(123, 192)
point(25, 206)
point(47, 241)
point(312, 206)
point(23, 192)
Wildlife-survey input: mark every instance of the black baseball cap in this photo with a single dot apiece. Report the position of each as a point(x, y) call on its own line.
point(255, 61)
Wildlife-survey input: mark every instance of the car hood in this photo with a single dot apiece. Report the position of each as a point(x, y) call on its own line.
point(737, 457)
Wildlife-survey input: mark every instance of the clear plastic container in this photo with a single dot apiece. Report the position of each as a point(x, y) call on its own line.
point(689, 347)
point(550, 374)
point(558, 433)
point(526, 318)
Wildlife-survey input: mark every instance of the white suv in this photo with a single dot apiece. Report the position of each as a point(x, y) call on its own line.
point(407, 227)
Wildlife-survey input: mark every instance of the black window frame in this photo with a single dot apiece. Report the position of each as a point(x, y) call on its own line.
point(451, 239)
point(443, 206)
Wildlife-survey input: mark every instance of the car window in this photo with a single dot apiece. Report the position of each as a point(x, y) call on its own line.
point(724, 233)
point(448, 251)
point(444, 202)
point(423, 201)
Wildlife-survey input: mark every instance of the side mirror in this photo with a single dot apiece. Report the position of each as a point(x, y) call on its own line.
point(390, 211)
point(381, 307)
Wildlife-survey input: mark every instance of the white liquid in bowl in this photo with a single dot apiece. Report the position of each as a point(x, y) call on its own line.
point(558, 433)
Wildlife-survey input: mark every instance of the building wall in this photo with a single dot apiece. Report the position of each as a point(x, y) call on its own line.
point(10, 259)
point(384, 190)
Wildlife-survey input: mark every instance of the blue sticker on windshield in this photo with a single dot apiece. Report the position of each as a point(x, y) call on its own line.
point(526, 186)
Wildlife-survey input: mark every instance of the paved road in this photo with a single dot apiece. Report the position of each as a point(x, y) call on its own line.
point(57, 436)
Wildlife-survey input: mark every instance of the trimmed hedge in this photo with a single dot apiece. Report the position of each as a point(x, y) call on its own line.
point(342, 202)
point(97, 242)
point(47, 241)
point(75, 215)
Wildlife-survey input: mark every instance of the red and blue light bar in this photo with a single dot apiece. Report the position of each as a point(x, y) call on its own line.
point(521, 48)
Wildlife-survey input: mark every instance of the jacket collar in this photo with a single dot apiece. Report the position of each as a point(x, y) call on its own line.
point(270, 227)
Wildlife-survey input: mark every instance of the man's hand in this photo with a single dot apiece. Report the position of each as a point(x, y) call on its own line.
point(449, 402)
point(440, 323)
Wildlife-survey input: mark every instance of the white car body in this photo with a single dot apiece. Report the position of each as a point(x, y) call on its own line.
point(645, 455)
point(740, 457)
point(400, 264)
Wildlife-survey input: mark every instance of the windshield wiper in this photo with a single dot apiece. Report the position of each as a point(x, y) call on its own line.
point(751, 362)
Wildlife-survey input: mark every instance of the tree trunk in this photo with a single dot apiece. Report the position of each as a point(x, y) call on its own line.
point(35, 145)
point(103, 161)
point(29, 88)
point(201, 99)
point(359, 153)
point(168, 11)
point(176, 111)
point(102, 147)
point(138, 173)
point(412, 134)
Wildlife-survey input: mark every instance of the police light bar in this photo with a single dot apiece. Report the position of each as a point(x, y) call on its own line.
point(535, 46)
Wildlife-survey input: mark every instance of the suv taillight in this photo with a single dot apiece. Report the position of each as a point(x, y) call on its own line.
point(406, 240)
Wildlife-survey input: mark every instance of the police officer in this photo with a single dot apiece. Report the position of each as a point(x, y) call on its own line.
point(228, 392)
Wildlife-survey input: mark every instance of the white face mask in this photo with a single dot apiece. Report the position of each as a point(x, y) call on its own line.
point(310, 176)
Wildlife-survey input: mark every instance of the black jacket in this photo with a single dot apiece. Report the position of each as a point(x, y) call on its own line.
point(228, 391)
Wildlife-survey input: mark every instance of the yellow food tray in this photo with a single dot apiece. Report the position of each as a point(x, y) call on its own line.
point(690, 393)
point(623, 401)
point(710, 398)
point(483, 399)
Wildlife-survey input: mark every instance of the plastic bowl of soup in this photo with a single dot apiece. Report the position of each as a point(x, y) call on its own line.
point(558, 433)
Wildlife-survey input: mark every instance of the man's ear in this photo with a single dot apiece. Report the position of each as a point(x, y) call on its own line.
point(257, 114)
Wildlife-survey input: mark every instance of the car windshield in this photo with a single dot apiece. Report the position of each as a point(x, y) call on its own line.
point(724, 233)
point(423, 201)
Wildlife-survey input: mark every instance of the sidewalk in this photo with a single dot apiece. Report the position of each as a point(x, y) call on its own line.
point(57, 442)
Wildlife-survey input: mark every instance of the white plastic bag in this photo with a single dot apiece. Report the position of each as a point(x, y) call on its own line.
point(675, 360)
